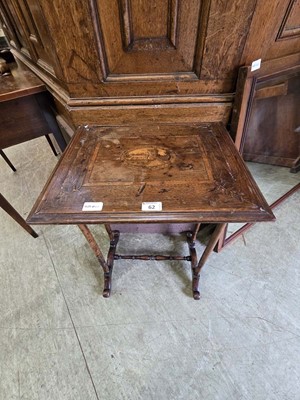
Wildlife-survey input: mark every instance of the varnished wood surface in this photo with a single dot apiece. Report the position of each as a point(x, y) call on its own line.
point(21, 120)
point(120, 52)
point(26, 108)
point(194, 170)
point(22, 82)
point(263, 40)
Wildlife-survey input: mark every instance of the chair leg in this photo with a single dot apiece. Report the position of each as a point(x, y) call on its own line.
point(51, 145)
point(16, 216)
point(7, 160)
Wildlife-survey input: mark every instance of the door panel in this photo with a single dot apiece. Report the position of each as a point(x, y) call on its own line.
point(29, 12)
point(15, 28)
point(274, 32)
point(157, 37)
point(171, 39)
point(291, 21)
point(288, 33)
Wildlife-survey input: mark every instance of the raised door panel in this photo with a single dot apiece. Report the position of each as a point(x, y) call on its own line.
point(287, 40)
point(35, 28)
point(160, 47)
point(8, 27)
point(290, 27)
point(14, 27)
point(274, 32)
point(189, 40)
point(145, 38)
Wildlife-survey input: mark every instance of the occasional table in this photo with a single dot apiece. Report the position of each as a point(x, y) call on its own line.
point(25, 113)
point(181, 173)
point(26, 109)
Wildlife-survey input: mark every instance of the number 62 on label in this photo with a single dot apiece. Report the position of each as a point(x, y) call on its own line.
point(155, 206)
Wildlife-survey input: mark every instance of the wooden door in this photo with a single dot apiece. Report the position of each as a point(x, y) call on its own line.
point(13, 28)
point(274, 32)
point(287, 40)
point(26, 26)
point(141, 48)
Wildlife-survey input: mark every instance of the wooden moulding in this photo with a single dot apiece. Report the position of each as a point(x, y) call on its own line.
point(176, 113)
point(194, 170)
point(131, 109)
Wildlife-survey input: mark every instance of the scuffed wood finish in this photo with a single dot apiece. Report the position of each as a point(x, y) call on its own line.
point(117, 52)
point(157, 37)
point(266, 40)
point(165, 113)
point(162, 48)
point(227, 30)
point(194, 170)
point(70, 26)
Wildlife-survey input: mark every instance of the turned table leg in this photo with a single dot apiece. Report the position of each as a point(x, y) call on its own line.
point(107, 266)
point(114, 238)
point(109, 231)
point(209, 248)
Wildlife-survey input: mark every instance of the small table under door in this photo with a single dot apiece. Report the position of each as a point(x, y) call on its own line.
point(189, 173)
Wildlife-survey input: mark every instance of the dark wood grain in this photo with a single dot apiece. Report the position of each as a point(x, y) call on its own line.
point(26, 109)
point(116, 52)
point(194, 170)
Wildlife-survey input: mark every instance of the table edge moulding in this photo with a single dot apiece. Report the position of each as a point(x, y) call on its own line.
point(193, 172)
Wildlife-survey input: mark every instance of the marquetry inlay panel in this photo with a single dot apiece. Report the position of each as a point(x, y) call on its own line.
point(194, 171)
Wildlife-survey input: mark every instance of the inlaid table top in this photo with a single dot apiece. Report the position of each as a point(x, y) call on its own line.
point(151, 173)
